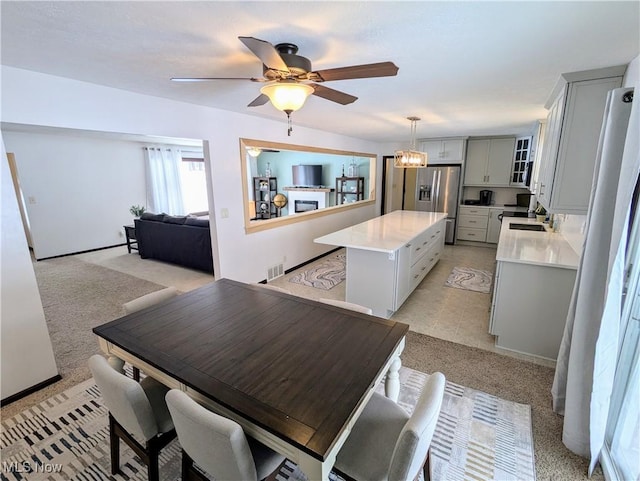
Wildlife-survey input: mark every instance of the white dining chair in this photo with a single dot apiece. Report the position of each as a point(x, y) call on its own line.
point(275, 288)
point(138, 415)
point(149, 299)
point(145, 301)
point(386, 444)
point(347, 305)
point(217, 444)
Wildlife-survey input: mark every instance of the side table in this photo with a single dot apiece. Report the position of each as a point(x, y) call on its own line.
point(130, 233)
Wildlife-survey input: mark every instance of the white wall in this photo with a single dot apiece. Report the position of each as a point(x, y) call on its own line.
point(78, 189)
point(32, 98)
point(26, 355)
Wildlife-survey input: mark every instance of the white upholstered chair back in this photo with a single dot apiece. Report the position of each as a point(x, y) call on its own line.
point(149, 299)
point(217, 445)
point(347, 305)
point(125, 399)
point(415, 438)
point(275, 288)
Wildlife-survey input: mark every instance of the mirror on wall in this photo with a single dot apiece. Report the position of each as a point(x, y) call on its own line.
point(286, 183)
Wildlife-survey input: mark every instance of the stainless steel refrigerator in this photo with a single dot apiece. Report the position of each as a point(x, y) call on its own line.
point(437, 190)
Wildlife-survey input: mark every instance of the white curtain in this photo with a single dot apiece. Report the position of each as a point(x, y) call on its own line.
point(164, 194)
point(589, 350)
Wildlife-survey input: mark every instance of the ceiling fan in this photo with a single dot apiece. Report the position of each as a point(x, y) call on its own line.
point(290, 79)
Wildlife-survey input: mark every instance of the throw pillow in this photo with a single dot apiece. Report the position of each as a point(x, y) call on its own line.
point(151, 216)
point(174, 219)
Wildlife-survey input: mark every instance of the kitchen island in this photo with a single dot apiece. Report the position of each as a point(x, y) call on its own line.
point(534, 279)
point(388, 256)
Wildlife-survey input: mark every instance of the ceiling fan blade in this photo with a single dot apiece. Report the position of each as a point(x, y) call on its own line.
point(265, 52)
point(208, 79)
point(333, 95)
point(259, 100)
point(381, 69)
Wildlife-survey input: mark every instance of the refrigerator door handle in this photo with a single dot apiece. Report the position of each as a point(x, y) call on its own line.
point(434, 193)
point(438, 199)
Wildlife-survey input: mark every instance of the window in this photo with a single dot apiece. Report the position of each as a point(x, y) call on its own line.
point(621, 456)
point(193, 183)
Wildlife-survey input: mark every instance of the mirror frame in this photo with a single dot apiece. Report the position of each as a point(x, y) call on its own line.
point(264, 224)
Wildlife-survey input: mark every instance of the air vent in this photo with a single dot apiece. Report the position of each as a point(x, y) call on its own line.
point(275, 272)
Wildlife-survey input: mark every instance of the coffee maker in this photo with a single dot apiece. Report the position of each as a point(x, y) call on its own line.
point(485, 197)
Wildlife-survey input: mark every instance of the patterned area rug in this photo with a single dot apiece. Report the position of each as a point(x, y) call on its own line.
point(326, 275)
point(478, 436)
point(470, 279)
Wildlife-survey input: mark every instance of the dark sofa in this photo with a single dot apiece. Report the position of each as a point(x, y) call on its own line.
point(185, 241)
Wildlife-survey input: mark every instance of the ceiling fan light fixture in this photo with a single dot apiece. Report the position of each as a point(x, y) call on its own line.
point(410, 158)
point(287, 96)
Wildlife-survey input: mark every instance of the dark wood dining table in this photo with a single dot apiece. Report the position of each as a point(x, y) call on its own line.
point(295, 373)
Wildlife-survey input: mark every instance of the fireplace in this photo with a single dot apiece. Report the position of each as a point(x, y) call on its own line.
point(305, 199)
point(305, 205)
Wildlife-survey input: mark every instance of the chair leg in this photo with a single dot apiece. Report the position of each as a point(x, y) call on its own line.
point(189, 472)
point(114, 441)
point(426, 469)
point(152, 467)
point(136, 374)
point(187, 463)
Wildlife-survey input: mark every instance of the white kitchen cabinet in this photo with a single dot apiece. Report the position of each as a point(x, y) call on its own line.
point(493, 226)
point(489, 162)
point(530, 306)
point(388, 256)
point(383, 280)
point(576, 109)
point(443, 151)
point(472, 223)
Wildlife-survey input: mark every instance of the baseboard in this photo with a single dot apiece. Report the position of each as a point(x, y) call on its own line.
point(264, 281)
point(30, 390)
point(81, 252)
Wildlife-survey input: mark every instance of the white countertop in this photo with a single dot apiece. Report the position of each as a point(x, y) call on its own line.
point(386, 233)
point(532, 247)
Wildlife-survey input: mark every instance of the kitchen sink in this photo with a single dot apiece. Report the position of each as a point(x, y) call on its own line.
point(534, 227)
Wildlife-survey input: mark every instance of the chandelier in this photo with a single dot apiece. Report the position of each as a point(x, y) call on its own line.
point(288, 96)
point(410, 158)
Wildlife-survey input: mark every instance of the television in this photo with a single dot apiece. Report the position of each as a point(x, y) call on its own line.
point(307, 175)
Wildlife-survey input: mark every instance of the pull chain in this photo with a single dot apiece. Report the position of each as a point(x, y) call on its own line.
point(289, 125)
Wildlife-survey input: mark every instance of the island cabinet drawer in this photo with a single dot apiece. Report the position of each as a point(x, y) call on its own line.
point(473, 221)
point(466, 210)
point(421, 268)
point(436, 234)
point(468, 233)
point(418, 271)
point(419, 246)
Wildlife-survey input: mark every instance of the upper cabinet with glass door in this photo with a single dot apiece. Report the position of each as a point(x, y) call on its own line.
point(521, 161)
